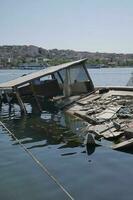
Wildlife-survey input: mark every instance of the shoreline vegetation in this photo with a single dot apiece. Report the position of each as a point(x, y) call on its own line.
point(89, 67)
point(21, 57)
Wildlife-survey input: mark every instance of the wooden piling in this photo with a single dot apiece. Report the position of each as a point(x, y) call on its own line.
point(7, 97)
point(89, 78)
point(1, 97)
point(66, 88)
point(35, 96)
point(22, 106)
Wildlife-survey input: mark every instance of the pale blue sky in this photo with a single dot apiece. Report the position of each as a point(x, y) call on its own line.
point(89, 25)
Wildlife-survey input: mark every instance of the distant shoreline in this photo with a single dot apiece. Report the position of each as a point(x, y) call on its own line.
point(12, 56)
point(88, 67)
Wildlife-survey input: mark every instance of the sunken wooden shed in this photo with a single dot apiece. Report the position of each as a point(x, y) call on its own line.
point(65, 80)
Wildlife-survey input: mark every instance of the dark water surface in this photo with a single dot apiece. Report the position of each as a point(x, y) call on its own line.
point(97, 174)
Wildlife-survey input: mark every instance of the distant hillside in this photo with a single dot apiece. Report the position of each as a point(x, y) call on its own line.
point(15, 55)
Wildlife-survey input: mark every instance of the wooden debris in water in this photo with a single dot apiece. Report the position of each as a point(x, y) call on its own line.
point(108, 113)
point(123, 145)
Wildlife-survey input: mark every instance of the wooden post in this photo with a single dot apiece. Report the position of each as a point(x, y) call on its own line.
point(22, 106)
point(87, 73)
point(9, 102)
point(66, 89)
point(60, 77)
point(7, 97)
point(35, 96)
point(1, 97)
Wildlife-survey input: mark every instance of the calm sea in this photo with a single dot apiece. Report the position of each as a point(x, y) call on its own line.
point(98, 174)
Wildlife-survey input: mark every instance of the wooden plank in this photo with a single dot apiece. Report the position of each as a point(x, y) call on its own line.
point(116, 88)
point(111, 133)
point(124, 144)
point(35, 96)
point(119, 93)
point(106, 130)
point(60, 77)
point(7, 97)
point(66, 86)
point(108, 113)
point(1, 98)
point(22, 106)
point(89, 78)
point(82, 114)
point(88, 99)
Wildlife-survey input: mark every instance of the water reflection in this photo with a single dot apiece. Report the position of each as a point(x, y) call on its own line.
point(128, 150)
point(90, 149)
point(36, 131)
point(39, 130)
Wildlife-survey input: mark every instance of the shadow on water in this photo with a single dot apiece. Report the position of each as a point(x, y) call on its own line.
point(128, 150)
point(38, 130)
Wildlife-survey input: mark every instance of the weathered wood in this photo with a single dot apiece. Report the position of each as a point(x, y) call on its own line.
point(35, 96)
point(89, 99)
point(22, 106)
point(60, 77)
point(66, 87)
point(118, 92)
point(122, 145)
point(89, 78)
point(1, 97)
point(108, 113)
point(38, 74)
point(82, 114)
point(8, 98)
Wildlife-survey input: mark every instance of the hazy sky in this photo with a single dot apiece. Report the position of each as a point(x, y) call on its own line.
point(91, 25)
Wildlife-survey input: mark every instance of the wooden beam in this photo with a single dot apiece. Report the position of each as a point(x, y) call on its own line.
point(87, 73)
point(22, 106)
point(1, 97)
point(60, 77)
point(38, 74)
point(35, 96)
point(66, 87)
point(123, 145)
point(9, 102)
point(8, 98)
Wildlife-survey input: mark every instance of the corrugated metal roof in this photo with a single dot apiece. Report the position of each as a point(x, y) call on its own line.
point(41, 73)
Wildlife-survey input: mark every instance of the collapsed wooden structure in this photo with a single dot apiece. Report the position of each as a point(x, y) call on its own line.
point(108, 111)
point(63, 82)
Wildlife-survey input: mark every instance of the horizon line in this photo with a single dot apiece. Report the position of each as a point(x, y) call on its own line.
point(78, 50)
